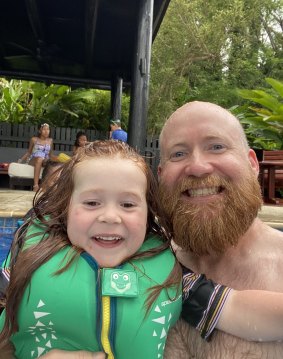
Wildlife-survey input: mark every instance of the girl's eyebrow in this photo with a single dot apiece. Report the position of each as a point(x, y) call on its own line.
point(99, 191)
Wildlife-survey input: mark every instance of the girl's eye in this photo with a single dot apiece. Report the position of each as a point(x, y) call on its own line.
point(127, 205)
point(92, 203)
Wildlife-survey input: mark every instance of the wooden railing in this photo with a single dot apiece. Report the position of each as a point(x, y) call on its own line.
point(271, 175)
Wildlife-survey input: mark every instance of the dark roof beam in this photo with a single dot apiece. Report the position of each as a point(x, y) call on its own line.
point(158, 16)
point(91, 11)
point(65, 80)
point(41, 55)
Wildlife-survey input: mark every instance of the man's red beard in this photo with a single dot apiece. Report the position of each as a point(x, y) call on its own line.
point(215, 225)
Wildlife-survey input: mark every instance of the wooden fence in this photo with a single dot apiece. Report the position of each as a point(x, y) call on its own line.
point(18, 136)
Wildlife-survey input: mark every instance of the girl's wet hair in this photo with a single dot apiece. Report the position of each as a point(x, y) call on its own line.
point(51, 213)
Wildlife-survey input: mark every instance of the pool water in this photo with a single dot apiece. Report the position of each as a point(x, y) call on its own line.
point(8, 227)
point(5, 242)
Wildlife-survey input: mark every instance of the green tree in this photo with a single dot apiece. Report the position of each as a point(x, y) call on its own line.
point(206, 49)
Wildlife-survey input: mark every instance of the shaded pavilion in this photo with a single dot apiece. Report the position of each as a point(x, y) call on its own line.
point(102, 44)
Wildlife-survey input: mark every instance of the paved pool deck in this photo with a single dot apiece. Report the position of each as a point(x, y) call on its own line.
point(15, 203)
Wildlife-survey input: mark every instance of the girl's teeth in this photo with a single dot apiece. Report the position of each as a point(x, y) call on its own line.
point(108, 238)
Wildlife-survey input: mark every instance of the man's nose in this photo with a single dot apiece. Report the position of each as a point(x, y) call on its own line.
point(198, 165)
point(109, 214)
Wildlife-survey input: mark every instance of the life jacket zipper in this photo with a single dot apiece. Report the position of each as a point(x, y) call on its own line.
point(106, 312)
point(106, 325)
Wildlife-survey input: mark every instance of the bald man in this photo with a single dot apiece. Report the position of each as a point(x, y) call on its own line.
point(210, 192)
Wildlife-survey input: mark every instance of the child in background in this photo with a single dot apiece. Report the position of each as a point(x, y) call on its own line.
point(81, 141)
point(39, 151)
point(97, 272)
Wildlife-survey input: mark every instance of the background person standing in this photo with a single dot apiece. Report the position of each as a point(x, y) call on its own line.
point(116, 131)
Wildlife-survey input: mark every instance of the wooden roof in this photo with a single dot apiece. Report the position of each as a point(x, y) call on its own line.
point(77, 42)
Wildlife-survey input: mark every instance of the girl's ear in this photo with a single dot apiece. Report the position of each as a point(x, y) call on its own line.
point(253, 161)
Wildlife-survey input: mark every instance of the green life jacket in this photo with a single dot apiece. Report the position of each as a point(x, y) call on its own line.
point(95, 309)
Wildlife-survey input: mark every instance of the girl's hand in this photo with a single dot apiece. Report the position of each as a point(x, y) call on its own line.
point(81, 354)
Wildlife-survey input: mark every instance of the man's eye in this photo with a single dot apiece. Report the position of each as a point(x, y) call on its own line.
point(177, 155)
point(217, 147)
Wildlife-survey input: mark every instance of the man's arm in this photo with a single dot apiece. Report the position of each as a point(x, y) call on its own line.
point(253, 315)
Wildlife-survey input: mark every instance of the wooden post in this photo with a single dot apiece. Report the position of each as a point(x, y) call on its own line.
point(116, 98)
point(140, 78)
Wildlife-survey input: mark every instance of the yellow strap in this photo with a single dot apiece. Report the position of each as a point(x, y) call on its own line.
point(106, 327)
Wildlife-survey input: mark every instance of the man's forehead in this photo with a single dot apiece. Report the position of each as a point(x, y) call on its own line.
point(198, 114)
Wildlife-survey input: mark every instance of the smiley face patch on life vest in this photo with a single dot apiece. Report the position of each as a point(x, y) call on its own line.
point(119, 283)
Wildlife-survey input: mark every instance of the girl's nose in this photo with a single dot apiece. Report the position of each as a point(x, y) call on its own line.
point(109, 214)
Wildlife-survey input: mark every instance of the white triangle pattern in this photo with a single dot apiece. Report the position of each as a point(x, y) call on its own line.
point(160, 320)
point(40, 314)
point(157, 309)
point(42, 331)
point(40, 304)
point(40, 350)
point(162, 330)
point(39, 324)
point(163, 333)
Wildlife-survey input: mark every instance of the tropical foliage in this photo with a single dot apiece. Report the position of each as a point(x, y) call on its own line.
point(262, 117)
point(59, 105)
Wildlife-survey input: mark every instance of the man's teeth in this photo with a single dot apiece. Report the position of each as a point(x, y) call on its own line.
point(107, 238)
point(203, 191)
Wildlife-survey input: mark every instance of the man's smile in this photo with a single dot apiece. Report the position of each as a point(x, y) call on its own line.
point(202, 192)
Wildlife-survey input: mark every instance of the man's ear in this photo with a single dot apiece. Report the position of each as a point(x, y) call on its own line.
point(159, 170)
point(253, 161)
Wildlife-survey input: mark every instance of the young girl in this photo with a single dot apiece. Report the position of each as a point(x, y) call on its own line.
point(39, 151)
point(81, 141)
point(97, 272)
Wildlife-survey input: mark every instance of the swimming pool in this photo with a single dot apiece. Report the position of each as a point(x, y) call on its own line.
point(7, 229)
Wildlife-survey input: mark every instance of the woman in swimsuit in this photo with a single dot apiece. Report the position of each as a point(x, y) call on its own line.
point(39, 151)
